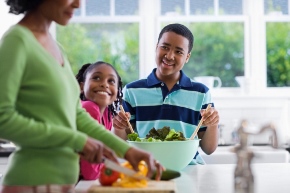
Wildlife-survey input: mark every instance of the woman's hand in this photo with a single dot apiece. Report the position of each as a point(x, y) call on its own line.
point(134, 156)
point(95, 150)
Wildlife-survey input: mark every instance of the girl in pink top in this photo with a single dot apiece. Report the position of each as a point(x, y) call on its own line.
point(101, 93)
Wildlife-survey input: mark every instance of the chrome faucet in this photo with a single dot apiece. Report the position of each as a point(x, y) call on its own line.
point(244, 179)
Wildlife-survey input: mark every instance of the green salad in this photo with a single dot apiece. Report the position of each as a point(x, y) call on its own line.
point(163, 134)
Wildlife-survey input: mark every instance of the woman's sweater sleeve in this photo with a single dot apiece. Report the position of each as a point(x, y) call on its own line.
point(18, 127)
point(91, 127)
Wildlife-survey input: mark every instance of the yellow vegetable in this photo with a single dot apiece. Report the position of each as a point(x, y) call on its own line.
point(129, 182)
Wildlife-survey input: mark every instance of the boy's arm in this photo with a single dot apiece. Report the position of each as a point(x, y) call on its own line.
point(209, 137)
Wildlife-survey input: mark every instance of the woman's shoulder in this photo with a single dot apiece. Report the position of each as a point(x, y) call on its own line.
point(17, 30)
point(18, 35)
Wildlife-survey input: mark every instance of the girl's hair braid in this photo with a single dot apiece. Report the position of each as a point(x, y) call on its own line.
point(81, 76)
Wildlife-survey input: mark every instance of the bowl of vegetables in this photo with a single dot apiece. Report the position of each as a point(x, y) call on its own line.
point(168, 146)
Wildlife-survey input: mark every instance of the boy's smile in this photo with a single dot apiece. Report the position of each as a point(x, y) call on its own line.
point(167, 63)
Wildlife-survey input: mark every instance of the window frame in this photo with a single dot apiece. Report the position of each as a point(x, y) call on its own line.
point(254, 19)
point(259, 26)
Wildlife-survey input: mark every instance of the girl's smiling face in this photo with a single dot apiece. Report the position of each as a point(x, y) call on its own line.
point(101, 85)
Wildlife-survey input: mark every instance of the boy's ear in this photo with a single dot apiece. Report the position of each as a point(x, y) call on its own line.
point(187, 57)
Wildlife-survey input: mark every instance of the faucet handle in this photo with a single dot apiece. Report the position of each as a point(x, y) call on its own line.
point(221, 140)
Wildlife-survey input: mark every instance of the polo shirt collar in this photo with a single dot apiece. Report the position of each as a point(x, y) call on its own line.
point(184, 81)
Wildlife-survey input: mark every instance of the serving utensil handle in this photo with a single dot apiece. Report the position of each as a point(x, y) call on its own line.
point(128, 122)
point(200, 123)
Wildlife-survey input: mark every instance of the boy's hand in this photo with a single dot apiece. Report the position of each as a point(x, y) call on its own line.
point(210, 117)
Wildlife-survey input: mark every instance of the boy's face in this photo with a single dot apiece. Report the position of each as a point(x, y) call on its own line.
point(171, 55)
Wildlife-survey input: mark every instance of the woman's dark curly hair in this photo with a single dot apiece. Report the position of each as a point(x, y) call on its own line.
point(22, 6)
point(81, 77)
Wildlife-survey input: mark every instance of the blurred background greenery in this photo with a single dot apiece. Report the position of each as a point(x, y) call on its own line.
point(218, 47)
point(278, 54)
point(88, 43)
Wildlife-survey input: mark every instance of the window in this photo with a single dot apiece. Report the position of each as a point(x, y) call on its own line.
point(231, 39)
point(277, 42)
point(219, 39)
point(247, 38)
point(107, 31)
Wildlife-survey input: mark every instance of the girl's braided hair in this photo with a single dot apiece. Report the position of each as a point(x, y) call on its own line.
point(22, 6)
point(81, 76)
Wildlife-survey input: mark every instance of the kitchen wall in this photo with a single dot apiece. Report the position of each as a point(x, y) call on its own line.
point(6, 19)
point(258, 110)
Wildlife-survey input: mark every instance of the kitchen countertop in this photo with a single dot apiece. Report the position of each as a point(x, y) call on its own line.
point(3, 164)
point(219, 178)
point(262, 154)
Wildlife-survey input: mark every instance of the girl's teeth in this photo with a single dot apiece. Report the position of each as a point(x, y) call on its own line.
point(104, 93)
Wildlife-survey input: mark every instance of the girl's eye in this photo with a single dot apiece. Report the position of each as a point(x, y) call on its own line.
point(96, 78)
point(112, 81)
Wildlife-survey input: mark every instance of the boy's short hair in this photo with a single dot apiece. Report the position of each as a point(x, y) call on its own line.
point(180, 30)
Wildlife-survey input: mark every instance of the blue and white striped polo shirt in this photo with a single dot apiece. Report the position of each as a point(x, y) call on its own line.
point(152, 105)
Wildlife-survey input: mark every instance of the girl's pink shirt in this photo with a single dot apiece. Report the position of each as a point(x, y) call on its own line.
point(88, 170)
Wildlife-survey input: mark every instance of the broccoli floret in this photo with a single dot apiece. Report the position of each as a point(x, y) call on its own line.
point(132, 136)
point(138, 139)
point(175, 136)
point(151, 139)
point(170, 135)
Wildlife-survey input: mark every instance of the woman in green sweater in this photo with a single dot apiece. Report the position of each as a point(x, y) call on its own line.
point(40, 110)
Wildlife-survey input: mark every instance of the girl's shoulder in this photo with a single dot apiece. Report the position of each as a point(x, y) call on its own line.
point(90, 106)
point(89, 103)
